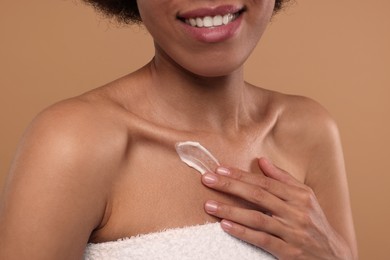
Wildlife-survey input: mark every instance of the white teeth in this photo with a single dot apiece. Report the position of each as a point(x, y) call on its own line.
point(217, 20)
point(209, 21)
point(227, 18)
point(199, 22)
point(192, 22)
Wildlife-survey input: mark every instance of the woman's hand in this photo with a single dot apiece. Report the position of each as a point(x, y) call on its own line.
point(286, 219)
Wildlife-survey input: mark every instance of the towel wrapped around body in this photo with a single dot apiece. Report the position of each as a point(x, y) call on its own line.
point(204, 242)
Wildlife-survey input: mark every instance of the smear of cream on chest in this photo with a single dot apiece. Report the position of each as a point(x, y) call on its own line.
point(196, 156)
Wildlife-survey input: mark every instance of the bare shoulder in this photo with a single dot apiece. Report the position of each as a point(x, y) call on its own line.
point(303, 120)
point(305, 134)
point(81, 129)
point(295, 116)
point(314, 128)
point(59, 182)
point(303, 116)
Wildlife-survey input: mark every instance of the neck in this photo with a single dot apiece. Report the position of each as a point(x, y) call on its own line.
point(201, 103)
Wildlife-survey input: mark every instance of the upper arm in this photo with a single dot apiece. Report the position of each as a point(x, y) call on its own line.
point(308, 137)
point(57, 187)
point(326, 174)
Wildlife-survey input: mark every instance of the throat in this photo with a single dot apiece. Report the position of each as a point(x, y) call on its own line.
point(182, 100)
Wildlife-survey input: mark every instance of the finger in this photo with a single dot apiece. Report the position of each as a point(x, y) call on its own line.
point(249, 192)
point(249, 218)
point(276, 173)
point(299, 193)
point(275, 187)
point(263, 240)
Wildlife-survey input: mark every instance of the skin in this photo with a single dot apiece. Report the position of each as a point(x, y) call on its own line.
point(102, 166)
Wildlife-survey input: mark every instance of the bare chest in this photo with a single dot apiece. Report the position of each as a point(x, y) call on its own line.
point(155, 190)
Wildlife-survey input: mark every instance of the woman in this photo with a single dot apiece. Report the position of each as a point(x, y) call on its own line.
point(102, 166)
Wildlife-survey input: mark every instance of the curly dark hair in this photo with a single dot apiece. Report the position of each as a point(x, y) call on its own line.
point(126, 11)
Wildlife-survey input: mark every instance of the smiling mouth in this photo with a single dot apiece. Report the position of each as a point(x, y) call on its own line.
point(212, 21)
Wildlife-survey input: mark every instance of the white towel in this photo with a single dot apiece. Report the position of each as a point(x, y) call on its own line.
point(201, 242)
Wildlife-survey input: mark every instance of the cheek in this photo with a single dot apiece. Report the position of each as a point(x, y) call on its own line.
point(258, 18)
point(262, 11)
point(160, 8)
point(157, 17)
point(153, 10)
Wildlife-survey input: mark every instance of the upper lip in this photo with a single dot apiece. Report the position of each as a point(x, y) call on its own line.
point(211, 11)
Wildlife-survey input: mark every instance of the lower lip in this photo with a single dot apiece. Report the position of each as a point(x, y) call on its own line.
point(214, 34)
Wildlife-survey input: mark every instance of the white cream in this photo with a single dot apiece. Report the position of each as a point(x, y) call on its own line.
point(211, 21)
point(196, 156)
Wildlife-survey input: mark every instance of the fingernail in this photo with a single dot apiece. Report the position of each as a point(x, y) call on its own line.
point(211, 206)
point(223, 171)
point(226, 225)
point(210, 178)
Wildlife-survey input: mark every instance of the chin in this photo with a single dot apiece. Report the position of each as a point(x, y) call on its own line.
point(213, 69)
point(213, 72)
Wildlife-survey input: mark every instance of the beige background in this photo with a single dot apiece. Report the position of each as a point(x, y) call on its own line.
point(337, 52)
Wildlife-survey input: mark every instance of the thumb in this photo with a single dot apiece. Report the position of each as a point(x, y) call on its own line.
point(274, 172)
